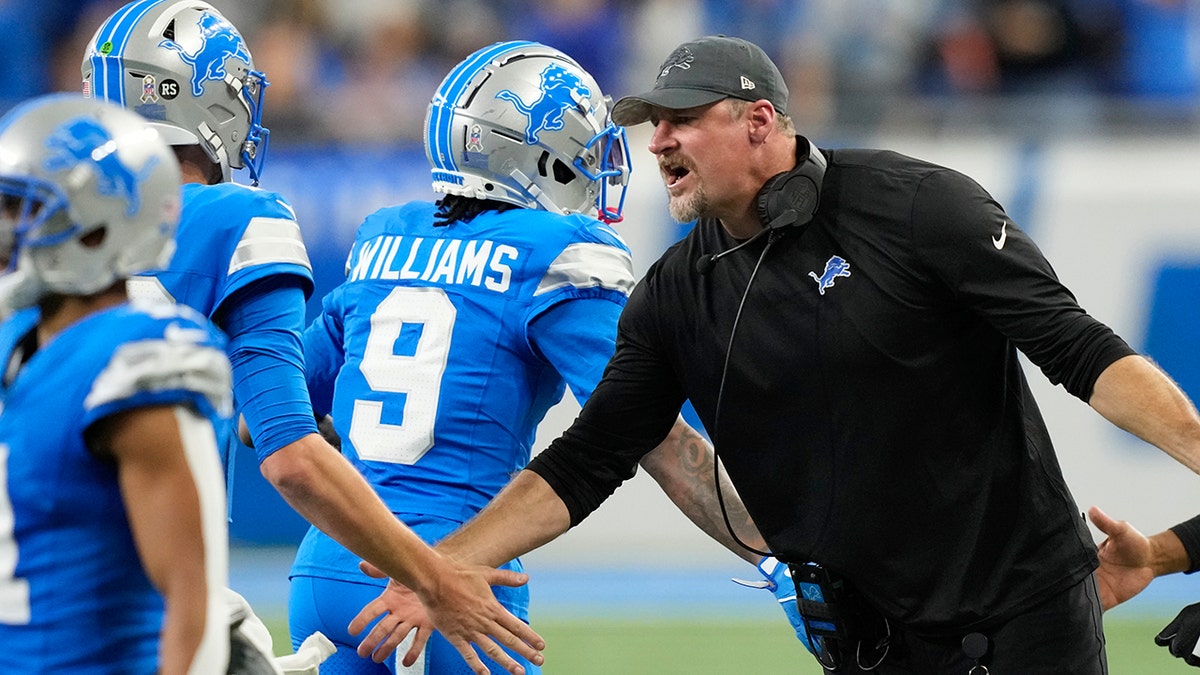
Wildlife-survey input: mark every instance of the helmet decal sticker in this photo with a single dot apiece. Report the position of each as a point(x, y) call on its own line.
point(475, 139)
point(149, 89)
point(561, 90)
point(219, 41)
point(84, 141)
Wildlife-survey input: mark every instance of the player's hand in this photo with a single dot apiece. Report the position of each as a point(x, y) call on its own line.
point(777, 578)
point(462, 607)
point(1125, 559)
point(400, 612)
point(1181, 636)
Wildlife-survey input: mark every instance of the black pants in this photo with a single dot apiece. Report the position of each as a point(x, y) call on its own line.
point(1064, 635)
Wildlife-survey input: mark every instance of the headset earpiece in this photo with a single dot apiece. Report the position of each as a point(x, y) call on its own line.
point(791, 197)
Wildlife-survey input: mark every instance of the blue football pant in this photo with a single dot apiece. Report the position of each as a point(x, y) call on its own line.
point(329, 606)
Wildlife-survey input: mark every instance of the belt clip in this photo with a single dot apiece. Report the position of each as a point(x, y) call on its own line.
point(975, 647)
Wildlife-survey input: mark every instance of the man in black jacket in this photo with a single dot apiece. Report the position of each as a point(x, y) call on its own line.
point(846, 324)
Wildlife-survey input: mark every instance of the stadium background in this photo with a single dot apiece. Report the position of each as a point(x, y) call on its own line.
point(1080, 116)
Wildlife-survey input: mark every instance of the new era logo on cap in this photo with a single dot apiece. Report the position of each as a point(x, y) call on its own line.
point(705, 71)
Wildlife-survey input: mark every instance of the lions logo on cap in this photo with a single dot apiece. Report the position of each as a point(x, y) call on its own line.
point(681, 58)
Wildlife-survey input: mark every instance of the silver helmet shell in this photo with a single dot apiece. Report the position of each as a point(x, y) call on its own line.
point(90, 195)
point(523, 123)
point(185, 67)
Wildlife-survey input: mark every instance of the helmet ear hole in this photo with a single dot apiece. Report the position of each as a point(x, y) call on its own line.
point(563, 173)
point(541, 164)
point(95, 238)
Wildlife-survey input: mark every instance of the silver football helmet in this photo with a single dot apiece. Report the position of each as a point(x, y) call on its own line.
point(184, 67)
point(523, 123)
point(89, 195)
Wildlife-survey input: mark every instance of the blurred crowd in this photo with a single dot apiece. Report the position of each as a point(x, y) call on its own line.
point(362, 71)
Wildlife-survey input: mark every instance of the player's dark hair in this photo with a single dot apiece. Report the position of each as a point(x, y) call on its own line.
point(195, 155)
point(456, 208)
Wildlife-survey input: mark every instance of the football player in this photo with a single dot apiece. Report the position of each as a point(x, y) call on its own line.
point(113, 549)
point(242, 262)
point(461, 322)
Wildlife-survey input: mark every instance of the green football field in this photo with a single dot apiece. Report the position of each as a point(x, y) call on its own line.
point(677, 647)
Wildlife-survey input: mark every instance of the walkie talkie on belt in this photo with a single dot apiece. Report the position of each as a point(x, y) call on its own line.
point(840, 625)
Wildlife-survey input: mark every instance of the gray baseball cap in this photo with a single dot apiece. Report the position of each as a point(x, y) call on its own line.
point(704, 71)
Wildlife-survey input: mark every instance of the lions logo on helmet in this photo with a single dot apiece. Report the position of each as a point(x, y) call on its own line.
point(560, 91)
point(218, 42)
point(84, 140)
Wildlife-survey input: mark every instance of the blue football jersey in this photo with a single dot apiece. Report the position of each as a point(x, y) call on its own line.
point(423, 354)
point(73, 594)
point(229, 236)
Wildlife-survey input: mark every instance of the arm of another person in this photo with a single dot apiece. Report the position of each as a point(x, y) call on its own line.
point(683, 465)
point(163, 502)
point(322, 486)
point(1129, 560)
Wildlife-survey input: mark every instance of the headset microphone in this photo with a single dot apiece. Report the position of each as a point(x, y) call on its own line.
point(705, 264)
point(787, 199)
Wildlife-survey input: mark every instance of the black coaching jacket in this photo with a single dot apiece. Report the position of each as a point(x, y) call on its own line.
point(874, 415)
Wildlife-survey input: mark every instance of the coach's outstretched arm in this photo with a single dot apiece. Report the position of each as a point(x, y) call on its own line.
point(525, 515)
point(1140, 398)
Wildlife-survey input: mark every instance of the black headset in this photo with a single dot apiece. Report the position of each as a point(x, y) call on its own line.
point(787, 199)
point(791, 198)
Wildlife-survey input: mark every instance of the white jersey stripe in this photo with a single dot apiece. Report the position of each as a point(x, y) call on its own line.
point(203, 458)
point(589, 266)
point(270, 240)
point(175, 362)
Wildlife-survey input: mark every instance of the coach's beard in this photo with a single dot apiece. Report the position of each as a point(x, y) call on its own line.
point(689, 207)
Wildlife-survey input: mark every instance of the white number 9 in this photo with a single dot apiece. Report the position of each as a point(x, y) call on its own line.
point(419, 376)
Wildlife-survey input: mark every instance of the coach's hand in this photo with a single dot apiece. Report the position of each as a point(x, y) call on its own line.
point(487, 626)
point(1181, 635)
point(778, 579)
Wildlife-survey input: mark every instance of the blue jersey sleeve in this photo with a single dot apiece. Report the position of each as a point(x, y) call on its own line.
point(578, 339)
point(264, 323)
point(323, 353)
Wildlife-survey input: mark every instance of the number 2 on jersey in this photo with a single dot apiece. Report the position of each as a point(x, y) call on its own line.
point(418, 376)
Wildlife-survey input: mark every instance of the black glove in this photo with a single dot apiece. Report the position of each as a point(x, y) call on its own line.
point(1181, 635)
